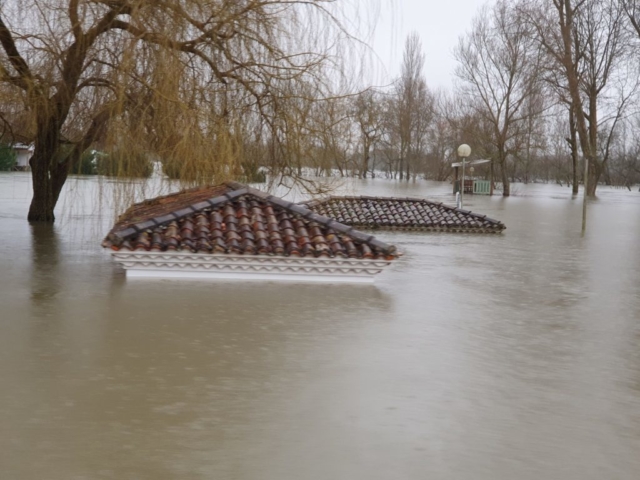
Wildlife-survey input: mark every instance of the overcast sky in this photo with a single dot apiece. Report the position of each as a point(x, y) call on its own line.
point(439, 24)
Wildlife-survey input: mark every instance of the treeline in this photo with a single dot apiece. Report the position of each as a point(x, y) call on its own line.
point(540, 86)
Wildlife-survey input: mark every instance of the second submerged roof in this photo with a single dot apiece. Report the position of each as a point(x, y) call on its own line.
point(403, 214)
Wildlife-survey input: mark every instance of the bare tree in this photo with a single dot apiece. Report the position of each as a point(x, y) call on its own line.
point(587, 41)
point(624, 168)
point(530, 138)
point(411, 110)
point(631, 9)
point(442, 138)
point(498, 65)
point(368, 113)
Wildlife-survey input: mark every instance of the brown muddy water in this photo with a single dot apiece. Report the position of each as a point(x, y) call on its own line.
point(473, 357)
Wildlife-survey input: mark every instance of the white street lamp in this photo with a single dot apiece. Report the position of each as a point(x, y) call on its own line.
point(464, 151)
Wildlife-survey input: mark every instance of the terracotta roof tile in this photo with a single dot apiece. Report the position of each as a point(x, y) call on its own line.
point(402, 214)
point(247, 222)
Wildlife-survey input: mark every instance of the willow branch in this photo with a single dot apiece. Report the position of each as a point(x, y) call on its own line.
point(16, 60)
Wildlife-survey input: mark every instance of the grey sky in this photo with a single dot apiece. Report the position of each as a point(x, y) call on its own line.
point(439, 24)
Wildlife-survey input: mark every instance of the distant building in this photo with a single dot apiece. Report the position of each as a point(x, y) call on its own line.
point(23, 155)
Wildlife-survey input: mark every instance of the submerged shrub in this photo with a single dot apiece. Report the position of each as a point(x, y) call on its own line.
point(7, 158)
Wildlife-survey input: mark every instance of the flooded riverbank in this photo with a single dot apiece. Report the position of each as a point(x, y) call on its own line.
point(472, 357)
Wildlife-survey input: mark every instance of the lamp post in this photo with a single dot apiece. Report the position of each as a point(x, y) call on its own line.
point(464, 151)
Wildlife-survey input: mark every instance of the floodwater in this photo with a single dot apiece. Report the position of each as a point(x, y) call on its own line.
point(473, 357)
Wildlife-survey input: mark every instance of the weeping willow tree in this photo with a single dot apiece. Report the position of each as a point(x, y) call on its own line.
point(200, 85)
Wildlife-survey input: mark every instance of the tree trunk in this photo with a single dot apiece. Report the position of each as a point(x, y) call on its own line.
point(502, 160)
point(574, 180)
point(42, 204)
point(595, 167)
point(506, 187)
point(574, 150)
point(408, 166)
point(48, 176)
point(607, 175)
point(365, 160)
point(595, 171)
point(491, 177)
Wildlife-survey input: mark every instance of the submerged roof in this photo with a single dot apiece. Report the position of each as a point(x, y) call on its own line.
point(402, 214)
point(235, 219)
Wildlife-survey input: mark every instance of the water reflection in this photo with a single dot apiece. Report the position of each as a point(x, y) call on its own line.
point(205, 365)
point(45, 260)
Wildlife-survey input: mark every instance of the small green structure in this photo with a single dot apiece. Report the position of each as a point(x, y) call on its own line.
point(481, 187)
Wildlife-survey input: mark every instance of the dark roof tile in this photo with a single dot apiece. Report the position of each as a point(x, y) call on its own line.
point(165, 218)
point(401, 214)
point(146, 225)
